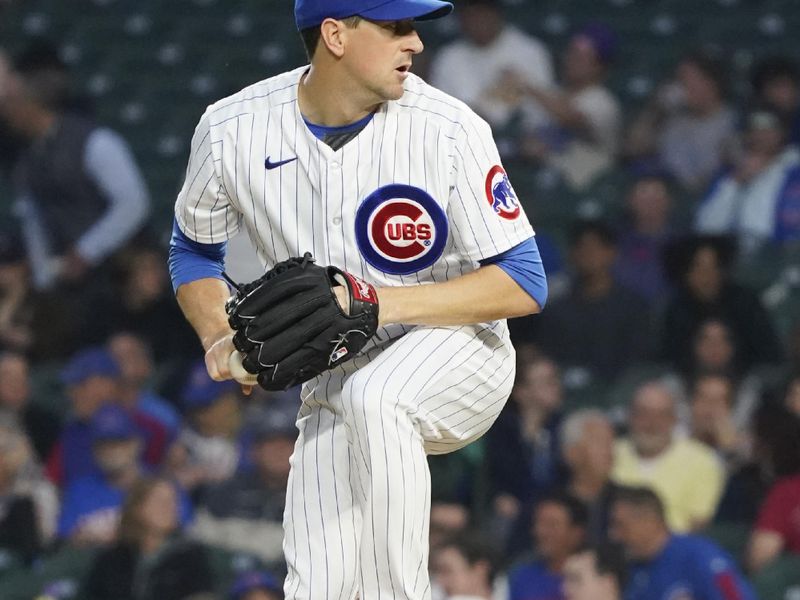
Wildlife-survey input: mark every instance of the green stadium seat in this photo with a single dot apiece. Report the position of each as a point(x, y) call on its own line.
point(731, 537)
point(60, 575)
point(779, 580)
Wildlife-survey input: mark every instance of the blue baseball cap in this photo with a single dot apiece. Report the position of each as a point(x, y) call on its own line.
point(87, 363)
point(112, 423)
point(308, 13)
point(201, 391)
point(254, 580)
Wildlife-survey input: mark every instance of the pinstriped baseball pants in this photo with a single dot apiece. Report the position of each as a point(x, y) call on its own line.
point(358, 501)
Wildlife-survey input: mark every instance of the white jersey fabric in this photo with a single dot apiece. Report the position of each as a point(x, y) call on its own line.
point(418, 196)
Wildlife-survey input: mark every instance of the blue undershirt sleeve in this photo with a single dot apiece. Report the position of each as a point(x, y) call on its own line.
point(524, 265)
point(190, 260)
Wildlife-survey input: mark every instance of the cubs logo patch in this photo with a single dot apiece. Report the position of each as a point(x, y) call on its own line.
point(501, 195)
point(400, 229)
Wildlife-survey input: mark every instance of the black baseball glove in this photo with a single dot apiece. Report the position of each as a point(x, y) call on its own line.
point(289, 324)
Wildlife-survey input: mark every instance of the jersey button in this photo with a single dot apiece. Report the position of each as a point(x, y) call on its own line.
point(334, 166)
point(337, 220)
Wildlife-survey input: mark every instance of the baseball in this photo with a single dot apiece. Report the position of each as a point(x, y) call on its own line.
point(238, 371)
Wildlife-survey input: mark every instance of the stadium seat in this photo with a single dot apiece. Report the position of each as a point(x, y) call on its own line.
point(57, 576)
point(779, 580)
point(731, 537)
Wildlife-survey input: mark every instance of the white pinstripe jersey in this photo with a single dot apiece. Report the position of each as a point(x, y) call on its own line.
point(418, 196)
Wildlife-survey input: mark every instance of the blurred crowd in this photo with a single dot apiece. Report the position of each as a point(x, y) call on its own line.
point(652, 439)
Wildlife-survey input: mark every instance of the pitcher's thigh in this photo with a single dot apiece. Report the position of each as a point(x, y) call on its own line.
point(451, 381)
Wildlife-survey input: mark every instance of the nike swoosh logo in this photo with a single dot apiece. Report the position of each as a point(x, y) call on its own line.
point(274, 165)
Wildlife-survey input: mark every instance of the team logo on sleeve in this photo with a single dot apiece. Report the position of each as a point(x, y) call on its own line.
point(501, 195)
point(400, 229)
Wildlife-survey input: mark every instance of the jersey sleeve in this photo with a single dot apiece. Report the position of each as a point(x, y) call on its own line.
point(204, 211)
point(485, 213)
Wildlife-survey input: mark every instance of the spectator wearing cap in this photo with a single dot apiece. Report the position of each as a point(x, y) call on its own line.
point(41, 425)
point(498, 50)
point(688, 127)
point(583, 135)
point(599, 327)
point(92, 504)
point(136, 373)
point(207, 450)
point(245, 512)
point(758, 199)
point(91, 379)
point(256, 585)
point(79, 195)
point(667, 566)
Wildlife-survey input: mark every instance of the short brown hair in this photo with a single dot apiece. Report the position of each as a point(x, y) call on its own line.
point(642, 498)
point(312, 35)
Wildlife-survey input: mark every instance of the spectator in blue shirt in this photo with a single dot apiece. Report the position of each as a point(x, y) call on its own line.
point(667, 566)
point(92, 504)
point(559, 529)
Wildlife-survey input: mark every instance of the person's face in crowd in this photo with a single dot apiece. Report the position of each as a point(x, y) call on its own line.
point(480, 23)
point(704, 277)
point(15, 387)
point(447, 519)
point(456, 576)
point(261, 595)
point(159, 510)
point(539, 386)
point(592, 256)
point(701, 91)
point(130, 353)
point(649, 202)
point(792, 399)
point(91, 394)
point(635, 529)
point(652, 420)
point(372, 55)
point(117, 456)
point(13, 277)
point(581, 64)
point(222, 418)
point(594, 452)
point(147, 276)
point(782, 93)
point(765, 141)
point(271, 457)
point(583, 582)
point(711, 406)
point(713, 347)
point(555, 535)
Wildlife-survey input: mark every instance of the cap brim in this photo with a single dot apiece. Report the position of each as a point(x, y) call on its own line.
point(420, 10)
